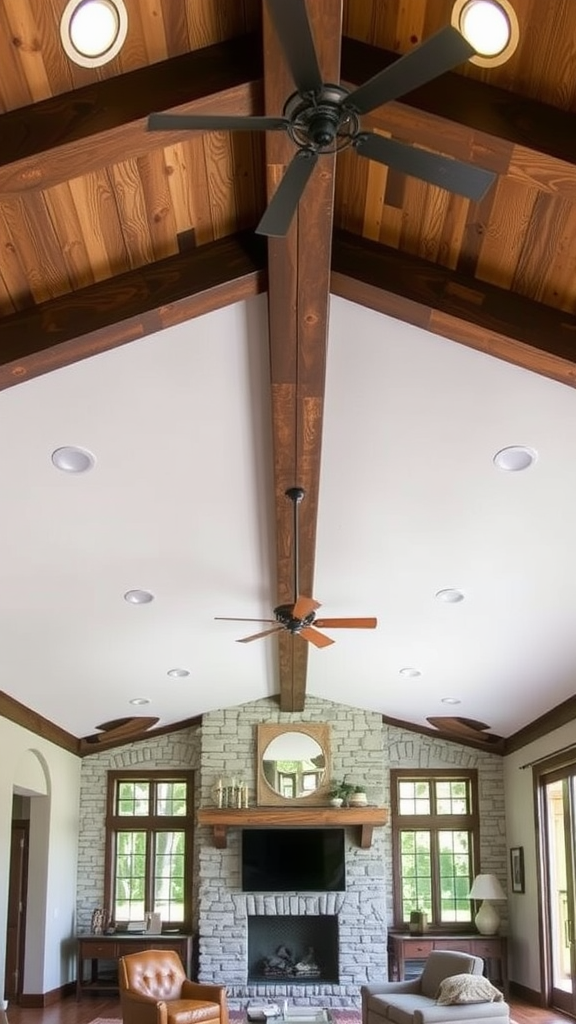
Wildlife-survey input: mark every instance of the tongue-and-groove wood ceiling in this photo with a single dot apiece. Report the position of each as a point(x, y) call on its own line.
point(109, 232)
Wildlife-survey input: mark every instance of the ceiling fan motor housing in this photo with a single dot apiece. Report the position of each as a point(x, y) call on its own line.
point(320, 121)
point(284, 614)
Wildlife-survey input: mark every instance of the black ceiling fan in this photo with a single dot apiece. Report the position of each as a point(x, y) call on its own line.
point(323, 118)
point(299, 618)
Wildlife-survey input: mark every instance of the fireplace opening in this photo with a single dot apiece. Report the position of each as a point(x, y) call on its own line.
point(297, 948)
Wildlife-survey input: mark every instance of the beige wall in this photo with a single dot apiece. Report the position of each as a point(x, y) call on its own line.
point(521, 831)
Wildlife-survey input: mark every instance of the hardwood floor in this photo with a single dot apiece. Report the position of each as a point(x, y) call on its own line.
point(69, 1011)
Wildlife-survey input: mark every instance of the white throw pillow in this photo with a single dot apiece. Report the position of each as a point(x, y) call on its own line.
point(467, 988)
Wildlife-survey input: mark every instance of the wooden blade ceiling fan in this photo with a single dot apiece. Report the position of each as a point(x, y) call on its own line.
point(299, 618)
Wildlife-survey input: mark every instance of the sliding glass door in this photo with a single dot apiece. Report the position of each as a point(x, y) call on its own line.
point(558, 806)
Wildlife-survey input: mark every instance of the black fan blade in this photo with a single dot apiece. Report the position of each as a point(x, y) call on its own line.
point(295, 36)
point(454, 175)
point(214, 123)
point(441, 52)
point(282, 206)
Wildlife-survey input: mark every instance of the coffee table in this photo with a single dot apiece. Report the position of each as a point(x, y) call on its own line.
point(293, 1015)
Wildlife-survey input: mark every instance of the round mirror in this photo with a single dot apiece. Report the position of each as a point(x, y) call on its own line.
point(294, 765)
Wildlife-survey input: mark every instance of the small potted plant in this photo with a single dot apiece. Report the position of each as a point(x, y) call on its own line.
point(340, 792)
point(358, 798)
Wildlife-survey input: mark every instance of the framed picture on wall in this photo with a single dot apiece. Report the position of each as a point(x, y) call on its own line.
point(517, 868)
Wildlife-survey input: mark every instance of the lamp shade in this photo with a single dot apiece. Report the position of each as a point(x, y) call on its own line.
point(486, 887)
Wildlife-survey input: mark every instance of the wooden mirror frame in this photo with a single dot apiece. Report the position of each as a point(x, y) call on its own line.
point(266, 732)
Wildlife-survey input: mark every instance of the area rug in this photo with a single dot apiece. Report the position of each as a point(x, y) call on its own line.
point(340, 1015)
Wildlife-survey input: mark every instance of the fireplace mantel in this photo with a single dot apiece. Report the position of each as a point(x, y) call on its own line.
point(366, 818)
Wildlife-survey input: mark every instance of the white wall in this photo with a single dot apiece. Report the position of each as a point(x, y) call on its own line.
point(524, 965)
point(50, 776)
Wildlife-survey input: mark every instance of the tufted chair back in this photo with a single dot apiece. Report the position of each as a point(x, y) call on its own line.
point(156, 973)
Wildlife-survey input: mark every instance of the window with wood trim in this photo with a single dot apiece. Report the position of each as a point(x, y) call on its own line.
point(149, 836)
point(435, 829)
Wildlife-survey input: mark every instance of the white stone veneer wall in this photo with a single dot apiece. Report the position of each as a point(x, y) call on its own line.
point(174, 750)
point(229, 748)
point(406, 749)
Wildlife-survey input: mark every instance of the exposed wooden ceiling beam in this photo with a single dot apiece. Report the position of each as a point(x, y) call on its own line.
point(87, 128)
point(482, 316)
point(76, 132)
point(299, 279)
point(473, 104)
point(113, 312)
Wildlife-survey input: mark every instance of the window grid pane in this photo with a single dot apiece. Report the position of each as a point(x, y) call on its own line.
point(169, 875)
point(455, 861)
point(130, 876)
point(416, 871)
point(133, 799)
point(414, 797)
point(452, 797)
point(171, 798)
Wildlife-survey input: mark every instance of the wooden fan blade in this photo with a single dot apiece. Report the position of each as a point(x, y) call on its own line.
point(316, 638)
point(228, 618)
point(366, 623)
point(303, 607)
point(122, 727)
point(256, 636)
point(463, 727)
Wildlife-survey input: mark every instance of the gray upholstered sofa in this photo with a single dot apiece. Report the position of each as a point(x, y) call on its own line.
point(472, 999)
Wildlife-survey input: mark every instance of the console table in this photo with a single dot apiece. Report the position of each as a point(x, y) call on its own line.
point(96, 948)
point(492, 949)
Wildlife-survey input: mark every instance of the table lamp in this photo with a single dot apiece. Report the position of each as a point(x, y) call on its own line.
point(487, 888)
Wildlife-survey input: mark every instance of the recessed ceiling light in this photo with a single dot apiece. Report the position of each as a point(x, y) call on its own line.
point(451, 700)
point(138, 596)
point(515, 458)
point(73, 460)
point(178, 673)
point(490, 26)
point(93, 31)
point(412, 673)
point(139, 700)
point(449, 595)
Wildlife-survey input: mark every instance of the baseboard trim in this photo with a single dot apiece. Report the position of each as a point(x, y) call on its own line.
point(527, 995)
point(37, 1001)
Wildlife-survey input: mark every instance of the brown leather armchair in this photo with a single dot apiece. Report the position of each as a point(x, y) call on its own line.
point(154, 989)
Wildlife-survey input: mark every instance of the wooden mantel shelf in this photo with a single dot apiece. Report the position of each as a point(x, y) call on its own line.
point(367, 818)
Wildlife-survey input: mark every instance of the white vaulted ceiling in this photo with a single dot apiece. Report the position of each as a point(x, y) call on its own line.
point(179, 503)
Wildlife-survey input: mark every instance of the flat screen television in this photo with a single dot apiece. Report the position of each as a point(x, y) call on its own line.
point(293, 859)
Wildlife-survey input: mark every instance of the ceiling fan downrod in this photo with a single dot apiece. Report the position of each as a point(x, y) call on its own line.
point(296, 494)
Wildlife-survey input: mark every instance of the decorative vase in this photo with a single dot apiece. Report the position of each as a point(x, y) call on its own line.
point(418, 922)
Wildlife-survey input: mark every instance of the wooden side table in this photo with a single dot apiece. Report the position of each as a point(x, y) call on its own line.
point(96, 948)
point(403, 947)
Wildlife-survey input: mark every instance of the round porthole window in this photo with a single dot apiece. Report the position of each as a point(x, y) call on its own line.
point(490, 26)
point(93, 31)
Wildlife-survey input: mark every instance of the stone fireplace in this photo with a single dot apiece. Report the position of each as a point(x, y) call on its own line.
point(342, 933)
